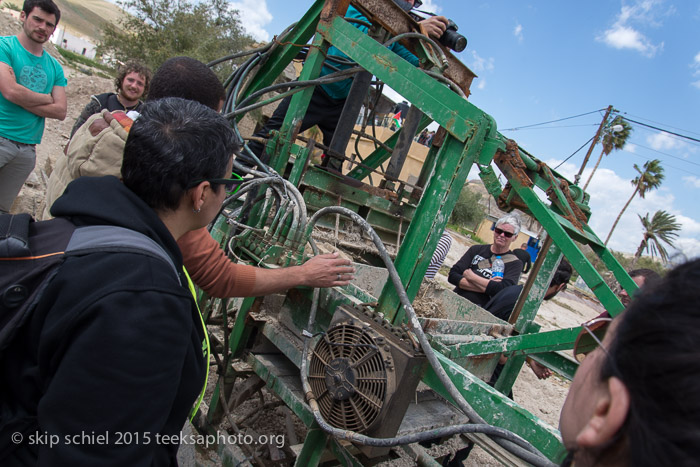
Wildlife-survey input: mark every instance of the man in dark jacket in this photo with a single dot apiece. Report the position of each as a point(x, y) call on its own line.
point(472, 275)
point(111, 361)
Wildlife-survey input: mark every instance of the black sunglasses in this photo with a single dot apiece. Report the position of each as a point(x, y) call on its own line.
point(503, 232)
point(231, 185)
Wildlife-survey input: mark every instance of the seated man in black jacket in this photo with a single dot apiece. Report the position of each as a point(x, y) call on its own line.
point(472, 274)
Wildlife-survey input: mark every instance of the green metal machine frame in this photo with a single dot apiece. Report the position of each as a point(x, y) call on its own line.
point(467, 136)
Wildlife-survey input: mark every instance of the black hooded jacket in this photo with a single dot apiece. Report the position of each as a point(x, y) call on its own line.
point(111, 362)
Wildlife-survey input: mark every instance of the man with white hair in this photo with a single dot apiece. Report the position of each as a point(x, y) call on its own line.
point(472, 274)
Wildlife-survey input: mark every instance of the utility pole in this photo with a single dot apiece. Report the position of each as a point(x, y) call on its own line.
point(593, 143)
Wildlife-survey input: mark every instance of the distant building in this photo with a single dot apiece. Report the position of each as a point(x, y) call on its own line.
point(76, 44)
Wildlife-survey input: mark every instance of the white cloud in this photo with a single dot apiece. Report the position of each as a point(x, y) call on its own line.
point(518, 32)
point(692, 180)
point(690, 247)
point(625, 32)
point(622, 37)
point(481, 84)
point(663, 141)
point(479, 64)
point(609, 193)
point(690, 226)
point(254, 17)
point(695, 65)
point(431, 6)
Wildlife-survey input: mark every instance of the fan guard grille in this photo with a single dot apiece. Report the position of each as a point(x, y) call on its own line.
point(348, 377)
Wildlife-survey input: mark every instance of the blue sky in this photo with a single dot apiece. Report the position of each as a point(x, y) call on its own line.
point(548, 60)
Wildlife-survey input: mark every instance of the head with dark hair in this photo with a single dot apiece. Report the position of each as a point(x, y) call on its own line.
point(187, 78)
point(635, 401)
point(133, 66)
point(563, 273)
point(47, 5)
point(174, 143)
point(559, 280)
point(643, 278)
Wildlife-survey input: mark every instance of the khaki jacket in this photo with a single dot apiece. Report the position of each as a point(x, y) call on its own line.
point(95, 150)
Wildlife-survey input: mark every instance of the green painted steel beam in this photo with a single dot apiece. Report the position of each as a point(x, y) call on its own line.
point(490, 180)
point(559, 363)
point(283, 54)
point(343, 456)
point(381, 155)
point(300, 160)
point(441, 193)
point(438, 326)
point(585, 236)
point(291, 397)
point(618, 271)
point(497, 409)
point(578, 260)
point(240, 333)
point(432, 98)
point(314, 445)
point(299, 103)
point(535, 295)
point(522, 344)
point(331, 183)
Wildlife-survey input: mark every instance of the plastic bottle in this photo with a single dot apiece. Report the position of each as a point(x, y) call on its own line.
point(497, 268)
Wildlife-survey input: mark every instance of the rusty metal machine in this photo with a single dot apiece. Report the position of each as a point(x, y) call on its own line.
point(356, 365)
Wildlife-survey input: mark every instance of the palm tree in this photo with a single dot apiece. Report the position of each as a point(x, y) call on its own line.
point(661, 228)
point(612, 141)
point(648, 180)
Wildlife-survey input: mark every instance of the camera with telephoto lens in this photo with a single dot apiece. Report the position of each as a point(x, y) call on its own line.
point(450, 38)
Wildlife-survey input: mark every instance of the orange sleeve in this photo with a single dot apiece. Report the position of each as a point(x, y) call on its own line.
point(211, 269)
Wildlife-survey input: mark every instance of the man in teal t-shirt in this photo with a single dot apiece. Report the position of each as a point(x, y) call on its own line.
point(328, 100)
point(32, 88)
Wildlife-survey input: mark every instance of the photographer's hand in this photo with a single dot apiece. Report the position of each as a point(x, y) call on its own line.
point(434, 26)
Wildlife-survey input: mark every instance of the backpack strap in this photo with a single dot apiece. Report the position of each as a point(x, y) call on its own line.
point(99, 238)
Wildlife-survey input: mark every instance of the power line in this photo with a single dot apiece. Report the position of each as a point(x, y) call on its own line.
point(665, 165)
point(574, 153)
point(552, 121)
point(665, 131)
point(550, 127)
point(667, 154)
point(664, 124)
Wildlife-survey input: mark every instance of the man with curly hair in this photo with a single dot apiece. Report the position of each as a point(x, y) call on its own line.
point(131, 83)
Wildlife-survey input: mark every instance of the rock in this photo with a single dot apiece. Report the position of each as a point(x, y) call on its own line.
point(32, 180)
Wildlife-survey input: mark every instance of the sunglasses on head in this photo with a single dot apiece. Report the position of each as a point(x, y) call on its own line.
point(590, 337)
point(503, 232)
point(231, 185)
